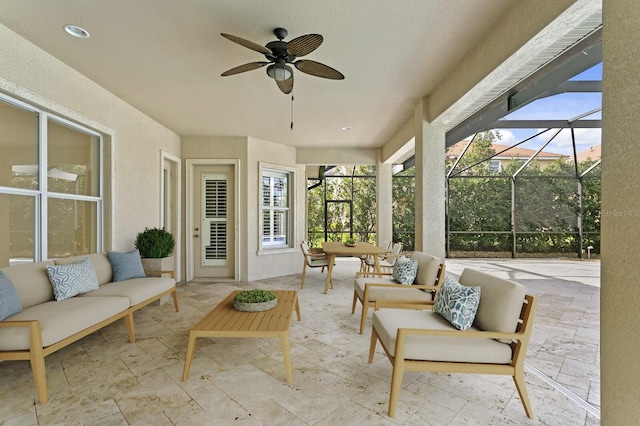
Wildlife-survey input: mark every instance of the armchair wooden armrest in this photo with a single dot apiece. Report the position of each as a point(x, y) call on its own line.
point(480, 334)
point(402, 304)
point(366, 274)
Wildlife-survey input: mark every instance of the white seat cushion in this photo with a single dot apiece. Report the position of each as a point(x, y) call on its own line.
point(59, 320)
point(403, 292)
point(137, 290)
point(386, 322)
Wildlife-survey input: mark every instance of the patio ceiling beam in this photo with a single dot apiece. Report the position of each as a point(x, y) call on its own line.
point(580, 57)
point(545, 124)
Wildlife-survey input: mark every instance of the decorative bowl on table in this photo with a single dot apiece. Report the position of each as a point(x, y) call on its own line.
point(254, 301)
point(350, 243)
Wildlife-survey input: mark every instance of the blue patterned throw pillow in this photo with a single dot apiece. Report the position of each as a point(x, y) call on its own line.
point(73, 279)
point(9, 299)
point(457, 303)
point(126, 266)
point(405, 270)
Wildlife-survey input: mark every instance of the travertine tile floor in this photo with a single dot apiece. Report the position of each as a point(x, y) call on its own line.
point(104, 380)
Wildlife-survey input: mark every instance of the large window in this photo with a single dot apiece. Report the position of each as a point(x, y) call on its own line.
point(276, 202)
point(50, 186)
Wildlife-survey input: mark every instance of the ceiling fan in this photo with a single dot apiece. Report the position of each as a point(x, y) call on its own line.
point(281, 55)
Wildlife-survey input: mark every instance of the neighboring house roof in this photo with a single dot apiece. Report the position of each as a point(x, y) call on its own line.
point(593, 153)
point(511, 152)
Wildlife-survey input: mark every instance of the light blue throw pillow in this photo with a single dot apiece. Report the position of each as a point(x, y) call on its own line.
point(457, 303)
point(9, 299)
point(405, 270)
point(126, 266)
point(73, 279)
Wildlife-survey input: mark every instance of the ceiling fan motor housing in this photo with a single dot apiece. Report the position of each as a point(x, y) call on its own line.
point(279, 51)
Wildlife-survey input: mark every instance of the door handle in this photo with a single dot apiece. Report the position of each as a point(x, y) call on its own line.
point(196, 236)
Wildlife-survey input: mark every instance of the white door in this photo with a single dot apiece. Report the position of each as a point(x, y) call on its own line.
point(214, 222)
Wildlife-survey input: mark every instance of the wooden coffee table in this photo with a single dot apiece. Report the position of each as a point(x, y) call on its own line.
point(224, 321)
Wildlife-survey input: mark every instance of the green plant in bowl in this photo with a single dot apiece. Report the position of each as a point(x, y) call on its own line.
point(351, 242)
point(254, 296)
point(254, 300)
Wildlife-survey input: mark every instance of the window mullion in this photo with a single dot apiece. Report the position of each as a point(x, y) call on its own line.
point(42, 241)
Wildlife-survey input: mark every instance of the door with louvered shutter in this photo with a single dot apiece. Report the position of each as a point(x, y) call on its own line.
point(214, 244)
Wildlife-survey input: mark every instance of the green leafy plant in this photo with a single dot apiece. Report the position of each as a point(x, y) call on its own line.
point(254, 296)
point(351, 241)
point(155, 243)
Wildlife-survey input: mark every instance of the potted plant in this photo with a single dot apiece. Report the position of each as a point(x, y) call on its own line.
point(350, 242)
point(156, 249)
point(255, 300)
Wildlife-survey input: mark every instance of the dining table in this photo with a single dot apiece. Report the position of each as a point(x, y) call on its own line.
point(338, 248)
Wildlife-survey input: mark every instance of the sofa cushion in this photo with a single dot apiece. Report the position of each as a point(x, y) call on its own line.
point(404, 270)
point(126, 266)
point(457, 303)
point(100, 263)
point(59, 320)
point(433, 348)
point(31, 282)
point(403, 293)
point(137, 290)
point(9, 299)
point(73, 279)
point(428, 267)
point(501, 301)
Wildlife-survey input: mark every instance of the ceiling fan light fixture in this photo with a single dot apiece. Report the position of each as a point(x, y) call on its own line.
point(279, 72)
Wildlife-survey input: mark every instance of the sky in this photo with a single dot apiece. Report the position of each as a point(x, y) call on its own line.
point(559, 107)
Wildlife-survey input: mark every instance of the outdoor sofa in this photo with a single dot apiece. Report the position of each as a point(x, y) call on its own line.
point(52, 317)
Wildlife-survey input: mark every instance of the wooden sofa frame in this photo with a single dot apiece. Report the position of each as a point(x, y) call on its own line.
point(36, 353)
point(515, 369)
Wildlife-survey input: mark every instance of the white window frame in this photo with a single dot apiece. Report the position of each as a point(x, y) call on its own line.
point(42, 194)
point(268, 169)
point(495, 166)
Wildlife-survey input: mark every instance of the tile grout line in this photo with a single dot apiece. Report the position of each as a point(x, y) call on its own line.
point(566, 392)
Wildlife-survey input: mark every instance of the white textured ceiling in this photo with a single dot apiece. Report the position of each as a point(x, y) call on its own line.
point(165, 58)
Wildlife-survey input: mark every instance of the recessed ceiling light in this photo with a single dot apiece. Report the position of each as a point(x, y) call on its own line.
point(76, 31)
point(347, 128)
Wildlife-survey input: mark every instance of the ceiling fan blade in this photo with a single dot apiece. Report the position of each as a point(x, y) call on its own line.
point(286, 86)
point(305, 44)
point(248, 44)
point(243, 68)
point(319, 70)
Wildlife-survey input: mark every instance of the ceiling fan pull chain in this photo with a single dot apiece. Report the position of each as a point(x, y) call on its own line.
point(292, 112)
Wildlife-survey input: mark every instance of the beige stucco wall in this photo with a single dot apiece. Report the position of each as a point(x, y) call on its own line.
point(133, 141)
point(324, 156)
point(263, 265)
point(250, 152)
point(620, 285)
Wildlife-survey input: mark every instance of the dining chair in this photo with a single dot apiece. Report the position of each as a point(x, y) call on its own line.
point(312, 260)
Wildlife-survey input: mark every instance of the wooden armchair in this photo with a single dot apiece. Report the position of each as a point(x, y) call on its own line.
point(369, 287)
point(418, 340)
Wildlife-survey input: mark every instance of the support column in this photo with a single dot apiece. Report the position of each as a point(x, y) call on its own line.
point(430, 184)
point(620, 212)
point(384, 201)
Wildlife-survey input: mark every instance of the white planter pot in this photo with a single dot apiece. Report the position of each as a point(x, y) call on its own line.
point(158, 264)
